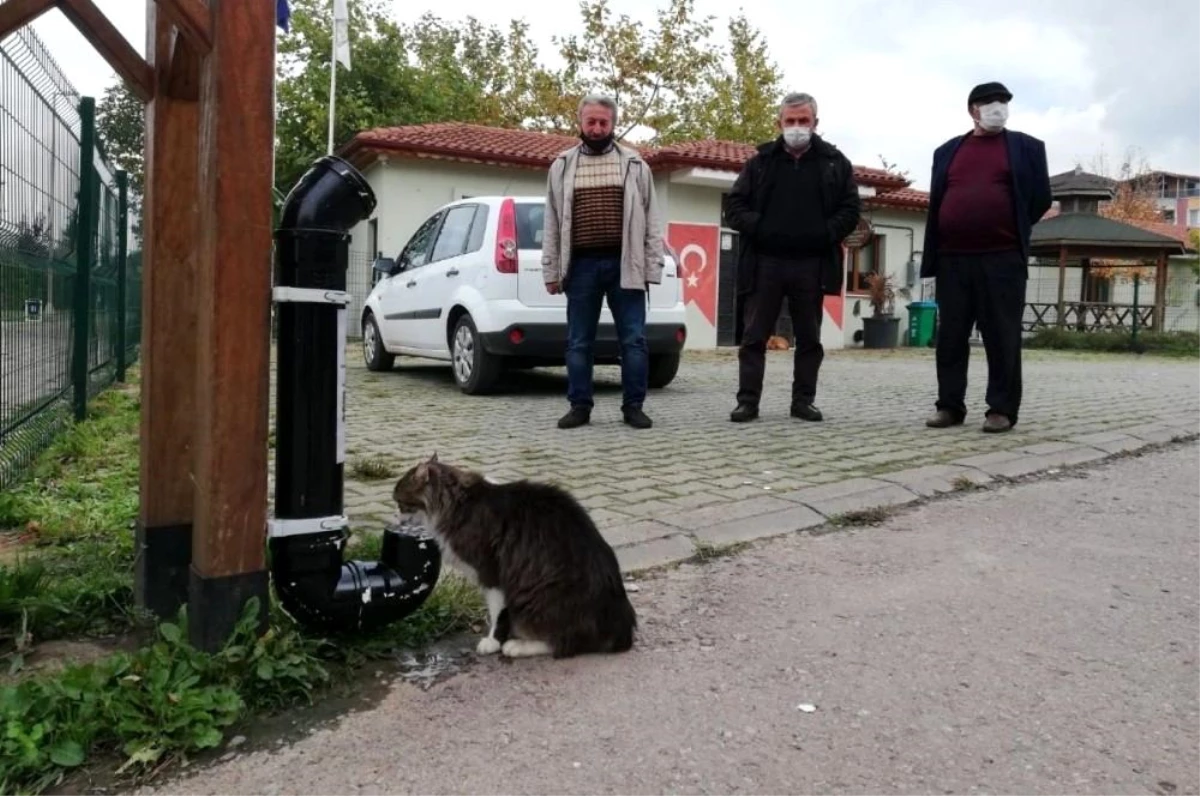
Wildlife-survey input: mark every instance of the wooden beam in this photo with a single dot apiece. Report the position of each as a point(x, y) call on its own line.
point(109, 42)
point(194, 19)
point(181, 79)
point(1062, 286)
point(16, 14)
point(168, 389)
point(233, 294)
point(1160, 293)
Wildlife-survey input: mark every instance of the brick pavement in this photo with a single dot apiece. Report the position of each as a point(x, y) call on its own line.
point(697, 479)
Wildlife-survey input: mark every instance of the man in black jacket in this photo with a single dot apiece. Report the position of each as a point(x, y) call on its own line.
point(793, 203)
point(989, 187)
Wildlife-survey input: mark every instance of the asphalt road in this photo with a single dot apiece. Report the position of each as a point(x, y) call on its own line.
point(1035, 638)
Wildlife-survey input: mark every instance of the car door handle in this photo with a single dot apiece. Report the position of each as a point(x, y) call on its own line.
point(412, 283)
point(452, 272)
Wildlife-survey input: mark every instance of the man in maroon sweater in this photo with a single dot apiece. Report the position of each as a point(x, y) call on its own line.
point(989, 188)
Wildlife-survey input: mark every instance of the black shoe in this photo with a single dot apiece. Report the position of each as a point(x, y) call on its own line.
point(944, 418)
point(807, 412)
point(997, 423)
point(744, 413)
point(635, 417)
point(578, 416)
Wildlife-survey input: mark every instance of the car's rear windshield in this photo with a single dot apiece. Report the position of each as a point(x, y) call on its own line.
point(529, 225)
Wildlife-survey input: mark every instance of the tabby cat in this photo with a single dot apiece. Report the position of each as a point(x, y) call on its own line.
point(551, 582)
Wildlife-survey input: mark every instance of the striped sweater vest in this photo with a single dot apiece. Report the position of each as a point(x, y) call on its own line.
point(599, 205)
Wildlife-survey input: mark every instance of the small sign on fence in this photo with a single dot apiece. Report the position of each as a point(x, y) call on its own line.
point(33, 309)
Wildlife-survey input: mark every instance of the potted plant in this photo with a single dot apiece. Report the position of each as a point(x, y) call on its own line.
point(881, 330)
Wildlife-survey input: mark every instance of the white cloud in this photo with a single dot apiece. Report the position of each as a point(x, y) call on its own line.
point(892, 76)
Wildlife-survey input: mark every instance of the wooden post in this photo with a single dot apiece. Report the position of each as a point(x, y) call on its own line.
point(233, 296)
point(168, 389)
point(1160, 293)
point(1062, 286)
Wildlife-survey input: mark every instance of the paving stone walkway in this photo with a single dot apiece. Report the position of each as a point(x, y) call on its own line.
point(697, 479)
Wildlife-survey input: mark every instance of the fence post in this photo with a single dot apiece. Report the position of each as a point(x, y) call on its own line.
point(1136, 283)
point(122, 247)
point(84, 230)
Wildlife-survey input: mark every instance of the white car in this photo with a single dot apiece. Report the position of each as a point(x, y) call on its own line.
point(467, 288)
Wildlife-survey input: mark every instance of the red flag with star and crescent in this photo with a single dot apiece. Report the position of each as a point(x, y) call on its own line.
point(697, 250)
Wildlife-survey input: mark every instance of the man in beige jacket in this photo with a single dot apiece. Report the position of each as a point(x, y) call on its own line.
point(602, 239)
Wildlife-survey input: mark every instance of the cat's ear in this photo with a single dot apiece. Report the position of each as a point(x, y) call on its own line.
point(433, 459)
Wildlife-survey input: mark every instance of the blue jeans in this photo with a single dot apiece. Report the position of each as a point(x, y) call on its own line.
point(589, 282)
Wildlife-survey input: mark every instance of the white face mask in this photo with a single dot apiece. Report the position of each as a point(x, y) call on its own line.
point(797, 137)
point(993, 115)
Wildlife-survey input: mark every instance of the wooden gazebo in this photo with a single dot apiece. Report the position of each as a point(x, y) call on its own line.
point(1077, 236)
point(208, 81)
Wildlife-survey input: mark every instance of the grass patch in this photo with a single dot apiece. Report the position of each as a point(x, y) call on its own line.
point(963, 483)
point(372, 468)
point(68, 574)
point(707, 551)
point(863, 518)
point(1174, 344)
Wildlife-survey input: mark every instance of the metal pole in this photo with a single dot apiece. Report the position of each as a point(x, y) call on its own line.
point(122, 246)
point(84, 229)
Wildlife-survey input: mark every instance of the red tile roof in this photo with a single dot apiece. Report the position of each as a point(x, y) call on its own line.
point(1175, 231)
point(499, 146)
point(904, 198)
point(730, 156)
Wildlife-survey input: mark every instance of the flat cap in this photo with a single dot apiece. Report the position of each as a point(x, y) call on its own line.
point(989, 91)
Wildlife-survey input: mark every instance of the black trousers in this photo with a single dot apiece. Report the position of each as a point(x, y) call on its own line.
point(799, 282)
point(987, 290)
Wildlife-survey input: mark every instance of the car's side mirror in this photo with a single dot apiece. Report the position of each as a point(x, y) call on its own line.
point(384, 265)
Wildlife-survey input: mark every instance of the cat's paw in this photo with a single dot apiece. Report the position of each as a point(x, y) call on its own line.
point(524, 648)
point(487, 646)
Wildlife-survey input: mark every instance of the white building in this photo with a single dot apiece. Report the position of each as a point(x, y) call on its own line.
point(414, 170)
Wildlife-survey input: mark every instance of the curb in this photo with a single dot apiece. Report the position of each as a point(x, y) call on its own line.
point(699, 534)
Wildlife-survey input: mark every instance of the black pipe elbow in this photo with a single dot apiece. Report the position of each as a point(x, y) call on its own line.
point(324, 593)
point(307, 536)
point(331, 195)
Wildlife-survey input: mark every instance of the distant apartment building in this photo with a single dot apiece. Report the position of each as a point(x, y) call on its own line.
point(1178, 197)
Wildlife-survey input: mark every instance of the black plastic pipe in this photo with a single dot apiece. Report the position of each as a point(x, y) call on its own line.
point(309, 530)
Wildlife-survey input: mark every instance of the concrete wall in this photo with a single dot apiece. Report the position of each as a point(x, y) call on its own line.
point(903, 233)
point(698, 245)
point(409, 190)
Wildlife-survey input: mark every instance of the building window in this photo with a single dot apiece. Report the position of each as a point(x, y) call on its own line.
point(866, 260)
point(1169, 216)
point(1194, 217)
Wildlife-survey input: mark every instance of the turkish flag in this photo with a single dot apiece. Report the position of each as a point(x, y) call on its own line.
point(697, 248)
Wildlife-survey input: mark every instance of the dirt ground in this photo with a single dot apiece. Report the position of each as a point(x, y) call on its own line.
point(1036, 638)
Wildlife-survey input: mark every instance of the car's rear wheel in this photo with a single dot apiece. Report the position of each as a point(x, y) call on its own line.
point(375, 355)
point(475, 370)
point(663, 368)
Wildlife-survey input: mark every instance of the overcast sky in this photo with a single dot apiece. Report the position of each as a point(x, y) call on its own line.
point(891, 76)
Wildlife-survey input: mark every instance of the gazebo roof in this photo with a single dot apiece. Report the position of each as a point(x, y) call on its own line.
point(1078, 182)
point(1095, 232)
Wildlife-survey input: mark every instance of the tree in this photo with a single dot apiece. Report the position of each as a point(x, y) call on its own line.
point(742, 102)
point(1134, 201)
point(429, 71)
point(121, 130)
point(655, 74)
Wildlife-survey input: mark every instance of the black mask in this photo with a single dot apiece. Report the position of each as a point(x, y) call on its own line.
point(597, 145)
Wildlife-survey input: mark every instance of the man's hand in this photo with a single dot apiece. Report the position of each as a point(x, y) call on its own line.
point(553, 288)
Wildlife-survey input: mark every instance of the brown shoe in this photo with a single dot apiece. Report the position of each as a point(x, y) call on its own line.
point(944, 418)
point(996, 424)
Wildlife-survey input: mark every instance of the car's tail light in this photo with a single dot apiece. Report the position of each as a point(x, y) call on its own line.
point(506, 238)
point(681, 334)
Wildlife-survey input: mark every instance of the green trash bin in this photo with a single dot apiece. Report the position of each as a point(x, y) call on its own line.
point(921, 315)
